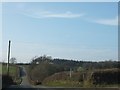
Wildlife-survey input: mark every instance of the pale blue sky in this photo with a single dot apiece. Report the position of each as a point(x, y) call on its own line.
point(59, 0)
point(80, 31)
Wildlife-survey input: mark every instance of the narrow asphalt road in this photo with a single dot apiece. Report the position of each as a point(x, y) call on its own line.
point(23, 75)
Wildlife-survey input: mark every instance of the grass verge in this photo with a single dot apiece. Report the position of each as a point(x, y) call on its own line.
point(65, 83)
point(14, 72)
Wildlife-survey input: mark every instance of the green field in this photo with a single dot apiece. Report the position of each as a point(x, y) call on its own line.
point(0, 69)
point(13, 72)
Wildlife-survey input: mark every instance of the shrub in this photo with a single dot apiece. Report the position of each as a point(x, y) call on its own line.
point(108, 76)
point(43, 70)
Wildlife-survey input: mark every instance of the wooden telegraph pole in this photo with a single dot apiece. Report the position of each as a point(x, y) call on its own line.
point(8, 57)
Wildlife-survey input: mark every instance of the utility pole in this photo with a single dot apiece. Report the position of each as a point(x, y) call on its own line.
point(8, 57)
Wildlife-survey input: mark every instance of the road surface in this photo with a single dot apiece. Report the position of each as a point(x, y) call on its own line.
point(23, 75)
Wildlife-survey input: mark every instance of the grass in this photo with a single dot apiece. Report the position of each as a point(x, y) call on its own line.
point(0, 69)
point(70, 84)
point(13, 72)
point(61, 80)
point(65, 83)
point(111, 85)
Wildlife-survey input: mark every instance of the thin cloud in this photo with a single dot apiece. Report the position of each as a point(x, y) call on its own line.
point(48, 14)
point(111, 22)
point(64, 15)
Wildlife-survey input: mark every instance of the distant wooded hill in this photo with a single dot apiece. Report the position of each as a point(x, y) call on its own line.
point(67, 64)
point(74, 64)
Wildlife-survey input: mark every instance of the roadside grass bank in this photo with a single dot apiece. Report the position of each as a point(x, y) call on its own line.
point(14, 75)
point(0, 68)
point(98, 78)
point(63, 83)
point(83, 79)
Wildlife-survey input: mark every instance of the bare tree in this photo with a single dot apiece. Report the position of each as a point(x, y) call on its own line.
point(13, 60)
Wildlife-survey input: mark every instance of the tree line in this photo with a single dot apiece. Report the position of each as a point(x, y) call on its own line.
point(66, 63)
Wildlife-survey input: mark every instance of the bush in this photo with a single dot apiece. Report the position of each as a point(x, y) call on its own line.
point(108, 76)
point(62, 79)
point(43, 70)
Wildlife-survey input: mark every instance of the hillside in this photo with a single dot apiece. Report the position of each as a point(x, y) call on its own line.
point(44, 70)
